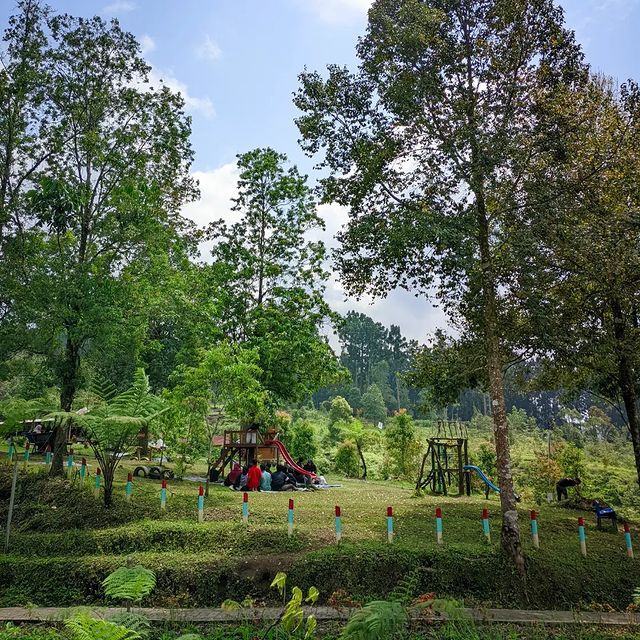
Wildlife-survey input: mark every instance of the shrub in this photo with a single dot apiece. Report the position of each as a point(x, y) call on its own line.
point(340, 410)
point(303, 441)
point(401, 444)
point(373, 407)
point(347, 460)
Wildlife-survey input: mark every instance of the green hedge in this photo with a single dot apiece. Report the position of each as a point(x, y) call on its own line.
point(485, 579)
point(149, 536)
point(365, 571)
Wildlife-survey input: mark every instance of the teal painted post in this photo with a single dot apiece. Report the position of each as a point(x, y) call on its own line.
point(582, 536)
point(26, 454)
point(128, 489)
point(245, 507)
point(390, 533)
point(338, 524)
point(48, 455)
point(96, 491)
point(201, 504)
point(83, 471)
point(163, 495)
point(439, 525)
point(534, 530)
point(70, 462)
point(290, 518)
point(485, 525)
point(627, 540)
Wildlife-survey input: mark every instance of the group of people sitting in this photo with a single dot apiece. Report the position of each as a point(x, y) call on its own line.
point(260, 477)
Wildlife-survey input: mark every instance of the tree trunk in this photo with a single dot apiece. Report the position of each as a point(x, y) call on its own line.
point(364, 464)
point(108, 487)
point(510, 537)
point(627, 380)
point(69, 386)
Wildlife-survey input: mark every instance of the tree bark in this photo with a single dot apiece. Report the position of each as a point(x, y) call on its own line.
point(510, 535)
point(627, 380)
point(364, 464)
point(69, 387)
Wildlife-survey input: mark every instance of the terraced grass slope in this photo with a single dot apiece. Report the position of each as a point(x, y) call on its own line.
point(65, 542)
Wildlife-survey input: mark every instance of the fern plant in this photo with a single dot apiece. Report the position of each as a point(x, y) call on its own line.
point(129, 584)
point(636, 596)
point(377, 620)
point(84, 627)
point(134, 622)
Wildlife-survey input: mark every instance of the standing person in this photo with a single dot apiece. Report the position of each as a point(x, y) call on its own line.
point(564, 484)
point(254, 476)
point(265, 481)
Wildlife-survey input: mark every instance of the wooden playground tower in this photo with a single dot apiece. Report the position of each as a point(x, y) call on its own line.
point(249, 445)
point(448, 453)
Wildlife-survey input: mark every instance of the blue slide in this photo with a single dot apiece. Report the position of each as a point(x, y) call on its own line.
point(478, 470)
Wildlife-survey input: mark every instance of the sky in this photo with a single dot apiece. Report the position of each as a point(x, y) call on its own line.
point(236, 62)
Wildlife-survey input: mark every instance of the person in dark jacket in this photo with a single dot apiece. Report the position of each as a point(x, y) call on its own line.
point(564, 484)
point(280, 480)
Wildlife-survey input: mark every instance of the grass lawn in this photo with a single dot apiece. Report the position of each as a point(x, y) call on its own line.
point(65, 542)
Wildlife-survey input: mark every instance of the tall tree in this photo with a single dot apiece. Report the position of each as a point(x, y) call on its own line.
point(106, 200)
point(427, 145)
point(273, 276)
point(585, 302)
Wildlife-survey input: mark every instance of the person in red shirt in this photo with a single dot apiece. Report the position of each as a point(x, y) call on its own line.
point(254, 477)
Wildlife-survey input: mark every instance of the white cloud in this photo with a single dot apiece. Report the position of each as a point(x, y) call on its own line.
point(217, 189)
point(192, 103)
point(119, 6)
point(337, 10)
point(147, 44)
point(209, 50)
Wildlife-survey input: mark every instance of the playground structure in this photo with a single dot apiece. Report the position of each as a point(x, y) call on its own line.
point(448, 454)
point(248, 445)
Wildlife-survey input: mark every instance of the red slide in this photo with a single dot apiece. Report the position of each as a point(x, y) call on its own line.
point(288, 459)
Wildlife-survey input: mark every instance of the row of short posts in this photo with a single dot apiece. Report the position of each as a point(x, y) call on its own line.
point(486, 527)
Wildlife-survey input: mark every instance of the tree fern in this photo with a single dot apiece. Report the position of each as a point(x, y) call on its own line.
point(636, 595)
point(84, 627)
point(129, 583)
point(377, 620)
point(102, 388)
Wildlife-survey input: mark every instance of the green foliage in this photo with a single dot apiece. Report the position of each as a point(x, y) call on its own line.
point(373, 405)
point(340, 410)
point(133, 621)
point(272, 277)
point(129, 584)
point(303, 441)
point(570, 459)
point(84, 627)
point(407, 589)
point(377, 620)
point(346, 459)
point(292, 617)
point(402, 445)
point(112, 425)
point(486, 459)
point(86, 236)
point(544, 472)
